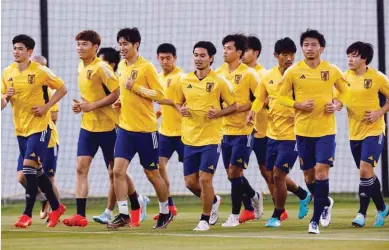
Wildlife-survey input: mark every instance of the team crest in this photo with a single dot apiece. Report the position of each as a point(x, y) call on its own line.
point(31, 79)
point(134, 74)
point(325, 75)
point(237, 79)
point(169, 81)
point(209, 86)
point(89, 74)
point(367, 83)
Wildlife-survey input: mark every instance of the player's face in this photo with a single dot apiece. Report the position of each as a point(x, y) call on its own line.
point(127, 50)
point(201, 58)
point(86, 49)
point(230, 53)
point(167, 61)
point(311, 48)
point(355, 61)
point(285, 59)
point(249, 56)
point(21, 53)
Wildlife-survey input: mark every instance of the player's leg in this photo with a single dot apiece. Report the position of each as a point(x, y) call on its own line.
point(260, 149)
point(106, 216)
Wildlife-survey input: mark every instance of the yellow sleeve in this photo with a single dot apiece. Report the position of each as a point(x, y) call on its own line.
point(52, 81)
point(254, 82)
point(260, 97)
point(342, 85)
point(286, 86)
point(155, 90)
point(384, 86)
point(226, 93)
point(108, 77)
point(179, 97)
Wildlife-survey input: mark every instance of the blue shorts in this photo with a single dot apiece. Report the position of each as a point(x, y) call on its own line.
point(34, 147)
point(312, 150)
point(169, 144)
point(49, 164)
point(259, 148)
point(145, 144)
point(201, 158)
point(281, 153)
point(89, 143)
point(236, 150)
point(367, 150)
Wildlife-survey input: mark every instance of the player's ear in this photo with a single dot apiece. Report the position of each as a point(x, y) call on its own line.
point(275, 55)
point(136, 45)
point(321, 49)
point(30, 51)
point(96, 47)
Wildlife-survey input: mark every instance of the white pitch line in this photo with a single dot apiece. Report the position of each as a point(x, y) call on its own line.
point(286, 237)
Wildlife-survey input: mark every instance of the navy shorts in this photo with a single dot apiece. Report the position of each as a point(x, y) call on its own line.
point(89, 143)
point(312, 150)
point(49, 164)
point(145, 144)
point(201, 158)
point(236, 150)
point(259, 148)
point(169, 144)
point(281, 153)
point(34, 147)
point(368, 149)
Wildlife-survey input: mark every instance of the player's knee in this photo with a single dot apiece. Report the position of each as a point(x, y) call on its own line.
point(262, 169)
point(82, 171)
point(309, 176)
point(110, 174)
point(191, 183)
point(234, 172)
point(118, 173)
point(152, 175)
point(278, 176)
point(205, 180)
point(21, 178)
point(366, 170)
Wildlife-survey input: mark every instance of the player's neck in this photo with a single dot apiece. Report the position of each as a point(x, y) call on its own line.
point(88, 61)
point(233, 65)
point(132, 60)
point(281, 69)
point(314, 63)
point(167, 72)
point(252, 64)
point(22, 66)
point(202, 73)
point(360, 71)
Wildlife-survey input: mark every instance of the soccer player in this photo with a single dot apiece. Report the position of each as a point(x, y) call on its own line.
point(170, 130)
point(137, 132)
point(99, 88)
point(281, 146)
point(312, 80)
point(250, 57)
point(198, 98)
point(112, 57)
point(237, 141)
point(367, 127)
point(24, 84)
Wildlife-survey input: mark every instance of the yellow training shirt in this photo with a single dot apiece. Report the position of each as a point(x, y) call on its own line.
point(54, 138)
point(200, 96)
point(29, 93)
point(261, 118)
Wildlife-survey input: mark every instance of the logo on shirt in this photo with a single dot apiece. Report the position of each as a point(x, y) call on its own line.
point(237, 79)
point(209, 86)
point(10, 79)
point(169, 81)
point(89, 74)
point(325, 75)
point(189, 86)
point(271, 82)
point(31, 79)
point(134, 74)
point(302, 77)
point(367, 83)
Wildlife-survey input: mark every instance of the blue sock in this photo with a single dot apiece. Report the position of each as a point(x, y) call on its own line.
point(321, 199)
point(376, 195)
point(46, 187)
point(31, 189)
point(311, 187)
point(364, 195)
point(248, 193)
point(236, 194)
point(170, 201)
point(301, 193)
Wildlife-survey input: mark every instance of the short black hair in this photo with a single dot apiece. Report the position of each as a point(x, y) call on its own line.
point(111, 55)
point(211, 49)
point(89, 35)
point(364, 49)
point(132, 35)
point(309, 33)
point(25, 39)
point(240, 42)
point(166, 48)
point(285, 45)
point(254, 43)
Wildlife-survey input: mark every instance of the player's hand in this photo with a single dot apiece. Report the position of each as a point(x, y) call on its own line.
point(117, 105)
point(338, 105)
point(85, 106)
point(10, 92)
point(212, 113)
point(330, 108)
point(39, 110)
point(306, 106)
point(184, 111)
point(158, 114)
point(129, 83)
point(250, 118)
point(76, 106)
point(373, 116)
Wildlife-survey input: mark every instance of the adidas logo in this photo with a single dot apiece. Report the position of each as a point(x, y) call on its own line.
point(32, 154)
point(331, 159)
point(370, 158)
point(286, 165)
point(189, 86)
point(211, 167)
point(362, 195)
point(51, 171)
point(302, 77)
point(152, 165)
point(271, 82)
point(239, 160)
point(10, 79)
